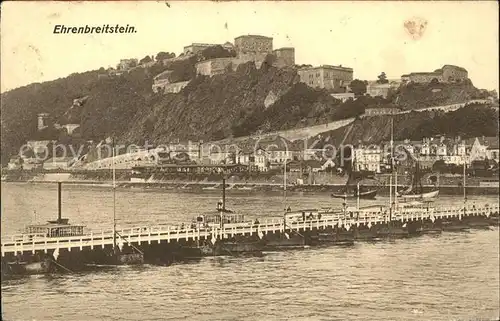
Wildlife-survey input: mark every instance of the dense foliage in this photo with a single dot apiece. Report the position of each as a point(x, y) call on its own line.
point(358, 87)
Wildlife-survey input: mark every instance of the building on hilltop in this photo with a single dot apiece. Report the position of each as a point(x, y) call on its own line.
point(164, 76)
point(447, 74)
point(162, 83)
point(161, 80)
point(194, 48)
point(253, 48)
point(375, 89)
point(248, 48)
point(42, 121)
point(285, 57)
point(175, 87)
point(126, 64)
point(328, 77)
point(214, 66)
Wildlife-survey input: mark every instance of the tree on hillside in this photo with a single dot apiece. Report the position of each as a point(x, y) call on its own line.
point(133, 64)
point(382, 78)
point(145, 60)
point(164, 55)
point(358, 87)
point(216, 52)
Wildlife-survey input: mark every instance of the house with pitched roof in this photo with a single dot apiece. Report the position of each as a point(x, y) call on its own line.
point(484, 148)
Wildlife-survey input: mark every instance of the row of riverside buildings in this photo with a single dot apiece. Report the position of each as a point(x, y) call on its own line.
point(265, 154)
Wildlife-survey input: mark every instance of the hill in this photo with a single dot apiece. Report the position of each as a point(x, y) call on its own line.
point(421, 95)
point(232, 104)
point(471, 121)
point(236, 103)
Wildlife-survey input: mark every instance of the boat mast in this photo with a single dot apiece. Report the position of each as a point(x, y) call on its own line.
point(357, 196)
point(465, 181)
point(284, 184)
point(390, 197)
point(223, 194)
point(396, 187)
point(392, 167)
point(114, 196)
point(284, 196)
point(223, 207)
point(59, 203)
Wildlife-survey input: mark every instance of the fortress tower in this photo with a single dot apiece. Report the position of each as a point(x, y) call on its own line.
point(285, 57)
point(253, 48)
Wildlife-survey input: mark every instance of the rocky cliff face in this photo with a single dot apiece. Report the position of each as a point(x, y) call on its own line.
point(208, 107)
point(471, 121)
point(415, 95)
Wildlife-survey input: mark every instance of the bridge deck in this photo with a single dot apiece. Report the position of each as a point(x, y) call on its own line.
point(138, 235)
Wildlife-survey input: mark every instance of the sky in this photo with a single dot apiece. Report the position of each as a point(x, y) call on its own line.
point(370, 37)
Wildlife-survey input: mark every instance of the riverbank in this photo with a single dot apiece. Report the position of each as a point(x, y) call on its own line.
point(207, 187)
point(258, 182)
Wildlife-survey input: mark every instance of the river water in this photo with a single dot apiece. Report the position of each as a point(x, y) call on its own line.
point(454, 276)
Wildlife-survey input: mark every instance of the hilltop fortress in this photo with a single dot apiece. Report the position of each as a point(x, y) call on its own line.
point(448, 73)
point(248, 48)
point(256, 49)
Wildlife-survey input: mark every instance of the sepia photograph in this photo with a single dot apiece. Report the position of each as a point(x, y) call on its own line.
point(250, 160)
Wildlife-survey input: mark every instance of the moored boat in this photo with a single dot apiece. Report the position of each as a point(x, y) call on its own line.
point(237, 247)
point(43, 266)
point(286, 241)
point(427, 195)
point(334, 238)
point(370, 194)
point(416, 190)
point(392, 232)
point(450, 226)
point(223, 248)
point(130, 258)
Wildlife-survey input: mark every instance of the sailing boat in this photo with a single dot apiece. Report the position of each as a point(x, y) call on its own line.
point(287, 239)
point(416, 190)
point(119, 257)
point(360, 191)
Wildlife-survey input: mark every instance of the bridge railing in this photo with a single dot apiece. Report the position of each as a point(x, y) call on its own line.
point(22, 242)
